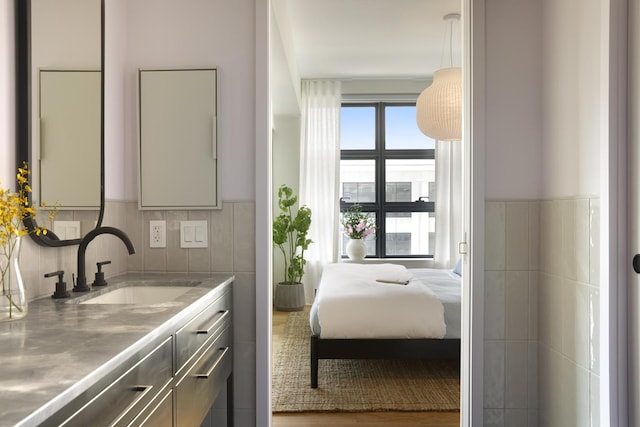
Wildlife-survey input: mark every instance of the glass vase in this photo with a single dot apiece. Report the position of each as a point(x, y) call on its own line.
point(13, 300)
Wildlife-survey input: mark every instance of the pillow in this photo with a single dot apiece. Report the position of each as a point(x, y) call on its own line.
point(457, 268)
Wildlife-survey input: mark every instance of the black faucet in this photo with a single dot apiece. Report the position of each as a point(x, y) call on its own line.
point(81, 283)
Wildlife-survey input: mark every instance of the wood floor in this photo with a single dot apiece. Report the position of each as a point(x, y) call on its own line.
point(360, 419)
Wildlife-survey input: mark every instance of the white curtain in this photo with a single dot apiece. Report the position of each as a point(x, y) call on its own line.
point(448, 202)
point(319, 174)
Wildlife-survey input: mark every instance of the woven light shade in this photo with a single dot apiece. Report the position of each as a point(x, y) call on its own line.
point(439, 107)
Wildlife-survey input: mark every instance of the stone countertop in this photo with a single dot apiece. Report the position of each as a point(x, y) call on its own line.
point(61, 347)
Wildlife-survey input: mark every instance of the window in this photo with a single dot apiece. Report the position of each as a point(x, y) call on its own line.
point(388, 166)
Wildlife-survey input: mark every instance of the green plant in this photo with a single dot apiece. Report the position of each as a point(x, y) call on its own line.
point(290, 234)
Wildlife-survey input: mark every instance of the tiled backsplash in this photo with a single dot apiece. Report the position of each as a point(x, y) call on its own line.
point(541, 317)
point(35, 261)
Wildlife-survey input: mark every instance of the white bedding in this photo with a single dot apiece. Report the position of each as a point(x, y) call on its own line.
point(355, 305)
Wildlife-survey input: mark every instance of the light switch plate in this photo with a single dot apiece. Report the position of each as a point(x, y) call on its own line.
point(193, 234)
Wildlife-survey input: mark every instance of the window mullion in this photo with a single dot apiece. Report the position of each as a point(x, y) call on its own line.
point(380, 182)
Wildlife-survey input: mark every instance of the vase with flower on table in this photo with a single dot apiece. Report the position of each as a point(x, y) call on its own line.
point(357, 226)
point(15, 207)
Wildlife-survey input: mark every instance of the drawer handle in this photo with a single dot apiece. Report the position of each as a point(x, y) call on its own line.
point(220, 315)
point(215, 364)
point(143, 390)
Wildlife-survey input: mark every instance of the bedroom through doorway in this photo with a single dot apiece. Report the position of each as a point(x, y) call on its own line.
point(297, 54)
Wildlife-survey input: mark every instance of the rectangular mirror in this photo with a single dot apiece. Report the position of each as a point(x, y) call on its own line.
point(66, 103)
point(178, 108)
point(60, 35)
point(69, 148)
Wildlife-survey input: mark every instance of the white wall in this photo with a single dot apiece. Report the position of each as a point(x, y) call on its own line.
point(115, 151)
point(571, 98)
point(284, 80)
point(542, 105)
point(568, 367)
point(286, 170)
point(513, 99)
point(411, 87)
point(198, 33)
point(7, 98)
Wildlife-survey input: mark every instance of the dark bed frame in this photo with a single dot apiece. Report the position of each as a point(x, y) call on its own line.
point(383, 348)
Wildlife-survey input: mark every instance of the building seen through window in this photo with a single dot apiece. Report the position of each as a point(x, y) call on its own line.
point(388, 166)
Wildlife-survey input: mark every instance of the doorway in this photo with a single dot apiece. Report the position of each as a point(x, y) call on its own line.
point(474, 222)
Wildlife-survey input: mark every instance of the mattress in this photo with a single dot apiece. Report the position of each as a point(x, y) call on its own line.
point(444, 283)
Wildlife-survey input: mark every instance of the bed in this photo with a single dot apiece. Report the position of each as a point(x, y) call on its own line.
point(385, 311)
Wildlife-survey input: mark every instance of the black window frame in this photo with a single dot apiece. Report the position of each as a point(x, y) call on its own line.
point(379, 154)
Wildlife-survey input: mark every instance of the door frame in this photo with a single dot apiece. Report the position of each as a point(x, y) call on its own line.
point(614, 249)
point(472, 358)
point(614, 259)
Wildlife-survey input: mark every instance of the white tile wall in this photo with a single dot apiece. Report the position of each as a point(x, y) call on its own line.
point(517, 235)
point(495, 236)
point(511, 312)
point(572, 398)
point(494, 374)
point(494, 305)
point(541, 312)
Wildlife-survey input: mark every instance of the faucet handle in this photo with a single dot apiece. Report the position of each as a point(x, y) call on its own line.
point(100, 264)
point(61, 286)
point(99, 280)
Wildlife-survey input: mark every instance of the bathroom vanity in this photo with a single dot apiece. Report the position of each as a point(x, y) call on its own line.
point(159, 356)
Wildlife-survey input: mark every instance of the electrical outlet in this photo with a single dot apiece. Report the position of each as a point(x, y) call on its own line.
point(157, 234)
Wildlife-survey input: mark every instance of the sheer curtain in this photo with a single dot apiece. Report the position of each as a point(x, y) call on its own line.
point(319, 174)
point(448, 202)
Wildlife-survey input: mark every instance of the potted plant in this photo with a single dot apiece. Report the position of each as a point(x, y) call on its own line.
point(290, 235)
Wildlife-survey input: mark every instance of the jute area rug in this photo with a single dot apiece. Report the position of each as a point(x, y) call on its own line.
point(358, 385)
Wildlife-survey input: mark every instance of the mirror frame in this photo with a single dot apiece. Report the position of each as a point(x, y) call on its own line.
point(22, 10)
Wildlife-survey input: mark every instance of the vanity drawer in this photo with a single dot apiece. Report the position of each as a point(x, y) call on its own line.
point(121, 400)
point(198, 388)
point(201, 328)
point(158, 413)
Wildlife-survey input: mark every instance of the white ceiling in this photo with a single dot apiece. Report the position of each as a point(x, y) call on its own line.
point(366, 39)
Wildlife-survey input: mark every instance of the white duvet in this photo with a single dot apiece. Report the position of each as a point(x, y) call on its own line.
point(353, 304)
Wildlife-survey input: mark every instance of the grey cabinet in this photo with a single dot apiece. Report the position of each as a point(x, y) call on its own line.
point(204, 360)
point(159, 413)
point(172, 381)
point(178, 142)
point(116, 402)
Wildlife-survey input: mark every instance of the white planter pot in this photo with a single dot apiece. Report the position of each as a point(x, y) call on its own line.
point(356, 249)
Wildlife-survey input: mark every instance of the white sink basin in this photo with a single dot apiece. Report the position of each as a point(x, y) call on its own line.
point(139, 295)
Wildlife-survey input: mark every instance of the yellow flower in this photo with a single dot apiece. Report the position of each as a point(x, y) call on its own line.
point(14, 209)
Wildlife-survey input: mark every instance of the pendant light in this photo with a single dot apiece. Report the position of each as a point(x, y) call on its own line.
point(439, 106)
